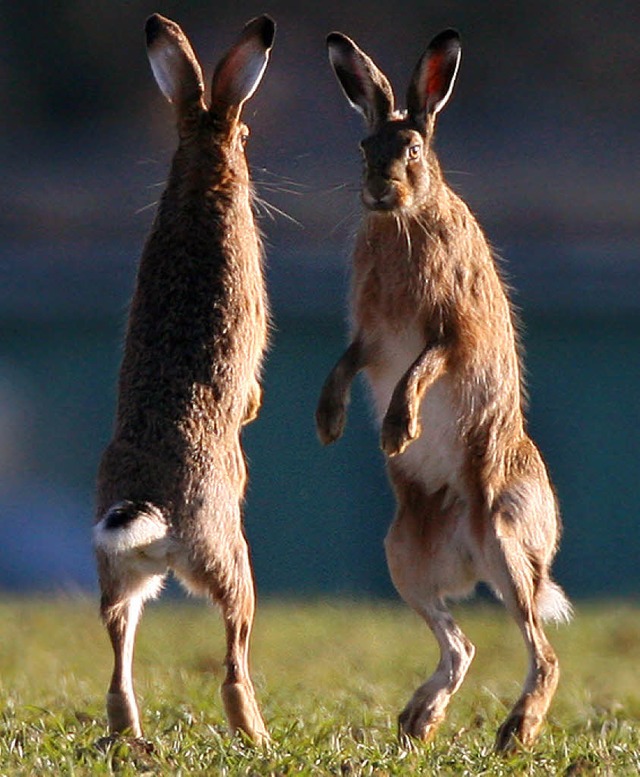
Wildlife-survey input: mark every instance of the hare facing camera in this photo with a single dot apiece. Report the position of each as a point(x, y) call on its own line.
point(434, 333)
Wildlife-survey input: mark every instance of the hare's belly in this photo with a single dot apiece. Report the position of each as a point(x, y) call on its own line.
point(436, 458)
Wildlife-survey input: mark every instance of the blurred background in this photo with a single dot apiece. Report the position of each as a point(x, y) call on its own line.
point(540, 138)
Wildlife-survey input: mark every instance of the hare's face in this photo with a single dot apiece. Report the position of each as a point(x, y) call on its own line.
point(397, 156)
point(396, 173)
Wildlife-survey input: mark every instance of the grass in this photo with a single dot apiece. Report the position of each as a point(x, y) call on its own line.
point(331, 679)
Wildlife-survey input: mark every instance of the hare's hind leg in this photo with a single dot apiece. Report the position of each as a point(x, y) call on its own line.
point(427, 707)
point(121, 612)
point(417, 571)
point(513, 576)
point(222, 571)
point(131, 542)
point(237, 602)
point(121, 621)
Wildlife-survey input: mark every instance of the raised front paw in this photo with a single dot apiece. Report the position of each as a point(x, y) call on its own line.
point(330, 419)
point(398, 430)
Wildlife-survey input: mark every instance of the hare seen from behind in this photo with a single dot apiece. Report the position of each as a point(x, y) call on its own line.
point(434, 333)
point(172, 480)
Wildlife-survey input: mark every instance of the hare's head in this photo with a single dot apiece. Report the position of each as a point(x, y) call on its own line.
point(397, 152)
point(179, 76)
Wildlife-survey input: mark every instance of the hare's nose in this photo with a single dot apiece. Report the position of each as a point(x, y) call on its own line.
point(379, 195)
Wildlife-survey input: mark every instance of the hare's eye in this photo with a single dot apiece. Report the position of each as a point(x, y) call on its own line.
point(244, 138)
point(413, 152)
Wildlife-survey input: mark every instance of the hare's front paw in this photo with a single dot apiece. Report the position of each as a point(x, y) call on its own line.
point(330, 419)
point(398, 430)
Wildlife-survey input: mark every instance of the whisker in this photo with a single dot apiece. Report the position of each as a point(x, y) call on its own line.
point(270, 209)
point(425, 230)
point(408, 234)
point(146, 207)
point(284, 178)
point(261, 208)
point(347, 185)
point(458, 172)
point(352, 214)
point(275, 188)
point(403, 230)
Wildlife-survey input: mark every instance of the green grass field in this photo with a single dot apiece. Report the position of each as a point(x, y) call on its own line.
point(331, 679)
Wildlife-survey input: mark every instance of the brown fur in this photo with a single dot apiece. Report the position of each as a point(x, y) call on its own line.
point(435, 334)
point(172, 480)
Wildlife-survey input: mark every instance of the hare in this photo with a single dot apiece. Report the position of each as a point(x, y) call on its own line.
point(433, 331)
point(171, 481)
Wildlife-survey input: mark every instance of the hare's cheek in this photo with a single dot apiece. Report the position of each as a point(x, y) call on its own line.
point(405, 196)
point(419, 182)
point(408, 191)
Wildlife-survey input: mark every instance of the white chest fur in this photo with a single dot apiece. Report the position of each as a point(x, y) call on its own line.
point(436, 457)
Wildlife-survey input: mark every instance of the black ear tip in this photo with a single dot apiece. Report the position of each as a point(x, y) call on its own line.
point(264, 27)
point(268, 31)
point(449, 38)
point(153, 27)
point(336, 39)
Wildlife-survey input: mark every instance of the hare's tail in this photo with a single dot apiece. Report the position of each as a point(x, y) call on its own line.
point(136, 531)
point(553, 604)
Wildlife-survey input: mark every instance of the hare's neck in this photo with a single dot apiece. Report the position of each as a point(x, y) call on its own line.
point(212, 182)
point(426, 249)
point(205, 218)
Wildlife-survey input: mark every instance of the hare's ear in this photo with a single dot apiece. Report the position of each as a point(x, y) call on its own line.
point(364, 84)
point(173, 62)
point(433, 78)
point(240, 71)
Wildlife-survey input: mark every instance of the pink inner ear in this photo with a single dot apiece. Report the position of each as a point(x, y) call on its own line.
point(435, 80)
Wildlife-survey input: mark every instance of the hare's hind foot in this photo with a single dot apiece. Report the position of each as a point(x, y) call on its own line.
point(122, 712)
point(522, 726)
point(243, 713)
point(418, 721)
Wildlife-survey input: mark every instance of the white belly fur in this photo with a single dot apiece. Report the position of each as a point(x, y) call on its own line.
point(436, 458)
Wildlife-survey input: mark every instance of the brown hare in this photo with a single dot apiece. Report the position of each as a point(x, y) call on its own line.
point(434, 333)
point(172, 480)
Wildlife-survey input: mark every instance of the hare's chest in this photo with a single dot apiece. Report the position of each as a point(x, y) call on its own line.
point(384, 301)
point(399, 293)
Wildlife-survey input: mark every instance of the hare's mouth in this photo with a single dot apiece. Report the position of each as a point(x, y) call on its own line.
point(390, 198)
point(385, 200)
